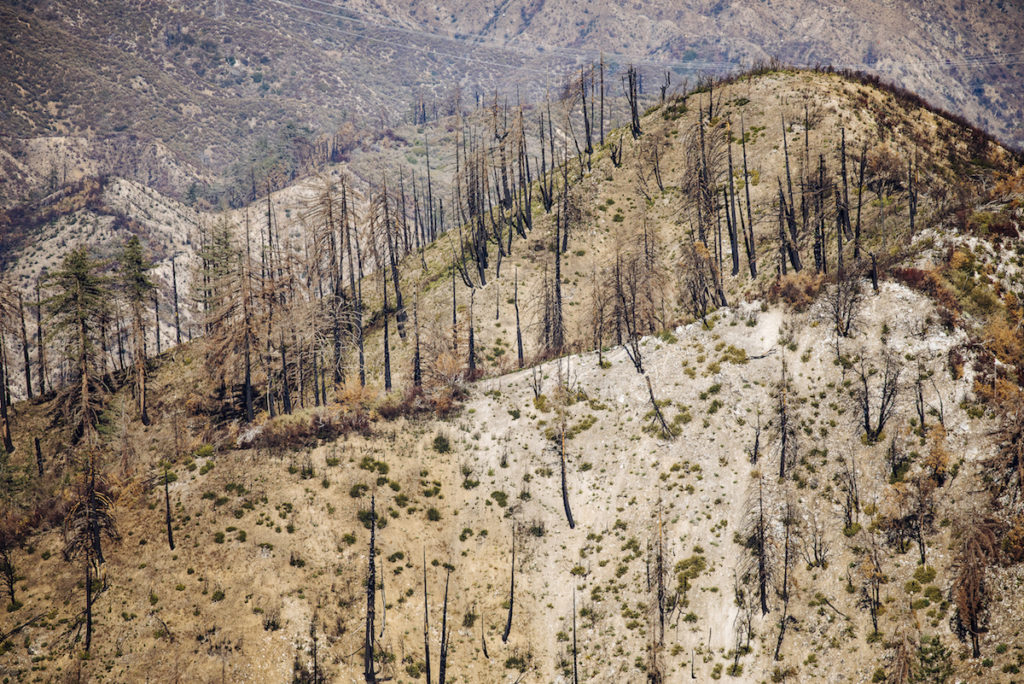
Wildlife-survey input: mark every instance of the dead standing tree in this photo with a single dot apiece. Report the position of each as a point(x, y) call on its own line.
point(790, 529)
point(887, 393)
point(787, 423)
point(370, 669)
point(562, 403)
point(87, 524)
point(630, 87)
point(759, 565)
point(979, 550)
point(511, 589)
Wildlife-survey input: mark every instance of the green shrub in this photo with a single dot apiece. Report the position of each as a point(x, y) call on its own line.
point(441, 444)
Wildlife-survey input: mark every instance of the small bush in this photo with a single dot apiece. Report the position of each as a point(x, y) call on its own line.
point(796, 290)
point(441, 444)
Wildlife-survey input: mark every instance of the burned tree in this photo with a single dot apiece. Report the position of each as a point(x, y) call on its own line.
point(426, 620)
point(630, 87)
point(786, 424)
point(889, 373)
point(758, 537)
point(843, 300)
point(442, 667)
point(872, 575)
point(790, 528)
point(561, 447)
point(89, 521)
point(978, 551)
point(370, 670)
point(511, 589)
point(136, 286)
point(748, 236)
point(167, 505)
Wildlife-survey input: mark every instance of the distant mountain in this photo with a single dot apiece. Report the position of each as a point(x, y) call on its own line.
point(194, 96)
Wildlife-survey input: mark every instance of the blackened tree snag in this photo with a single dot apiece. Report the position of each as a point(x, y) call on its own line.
point(417, 367)
point(167, 507)
point(369, 667)
point(40, 346)
point(472, 343)
point(426, 620)
point(442, 668)
point(519, 330)
point(511, 590)
point(575, 668)
point(759, 544)
point(565, 487)
point(174, 292)
point(892, 369)
point(89, 521)
point(979, 551)
point(630, 87)
point(789, 522)
point(860, 197)
point(731, 219)
point(136, 285)
point(24, 347)
point(787, 425)
point(751, 244)
point(5, 416)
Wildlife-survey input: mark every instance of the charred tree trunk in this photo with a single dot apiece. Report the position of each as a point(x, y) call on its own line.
point(167, 510)
point(630, 86)
point(602, 99)
point(177, 313)
point(417, 370)
point(24, 347)
point(860, 198)
point(369, 668)
point(472, 344)
point(387, 334)
point(519, 330)
point(565, 487)
point(286, 393)
point(4, 397)
point(751, 244)
point(88, 604)
point(442, 667)
point(511, 590)
point(426, 620)
point(156, 312)
point(40, 346)
point(730, 215)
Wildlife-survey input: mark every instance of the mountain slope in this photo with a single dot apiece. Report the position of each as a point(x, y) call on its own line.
point(271, 520)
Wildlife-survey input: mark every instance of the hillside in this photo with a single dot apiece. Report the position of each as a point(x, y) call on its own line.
point(763, 450)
